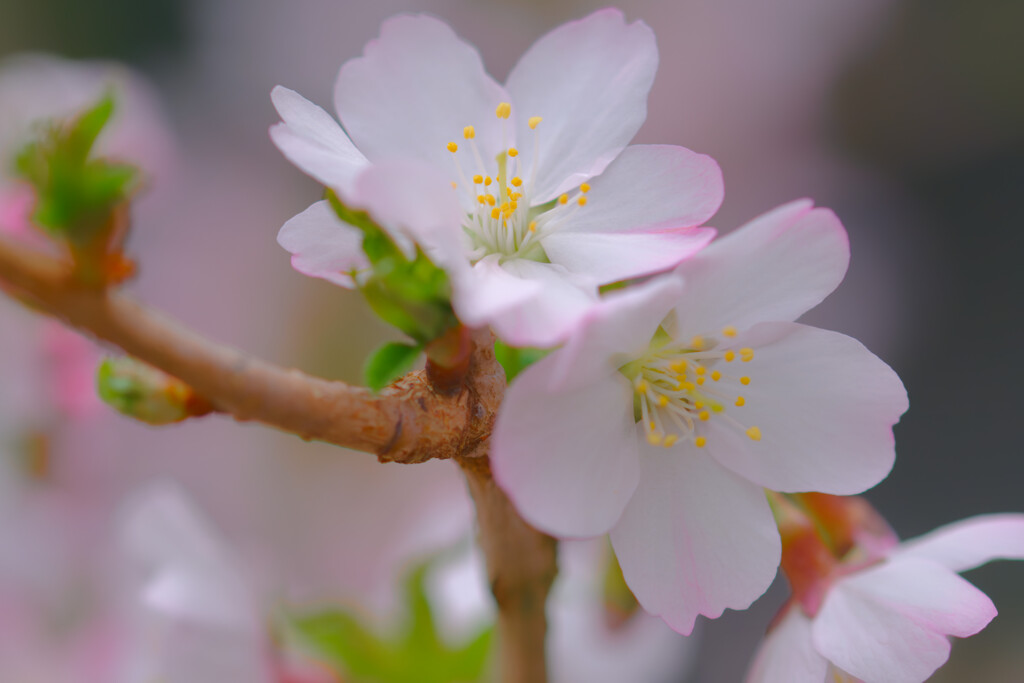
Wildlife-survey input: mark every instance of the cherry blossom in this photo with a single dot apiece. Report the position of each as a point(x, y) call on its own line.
point(548, 201)
point(675, 402)
point(889, 620)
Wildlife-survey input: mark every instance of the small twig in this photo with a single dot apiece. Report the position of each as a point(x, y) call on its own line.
point(407, 422)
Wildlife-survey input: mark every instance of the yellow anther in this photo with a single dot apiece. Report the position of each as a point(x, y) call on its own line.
point(490, 199)
point(754, 433)
point(482, 198)
point(652, 425)
point(663, 400)
point(487, 180)
point(582, 201)
point(477, 179)
point(452, 147)
point(514, 205)
point(533, 121)
point(564, 199)
point(697, 343)
point(585, 187)
point(641, 387)
point(678, 366)
point(740, 401)
point(716, 375)
point(517, 181)
point(704, 416)
point(700, 442)
point(504, 110)
point(469, 132)
point(670, 440)
point(744, 380)
point(454, 185)
point(689, 386)
point(495, 212)
point(747, 354)
point(730, 356)
point(729, 331)
point(513, 152)
point(654, 438)
point(700, 381)
point(701, 370)
point(533, 226)
point(717, 407)
point(698, 405)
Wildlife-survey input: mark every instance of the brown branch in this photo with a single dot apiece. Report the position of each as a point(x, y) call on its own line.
point(521, 567)
point(408, 422)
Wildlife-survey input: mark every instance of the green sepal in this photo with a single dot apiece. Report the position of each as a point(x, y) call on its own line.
point(389, 362)
point(414, 294)
point(416, 655)
point(75, 192)
point(515, 359)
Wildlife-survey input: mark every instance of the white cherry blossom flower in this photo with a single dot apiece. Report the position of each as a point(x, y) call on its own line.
point(890, 621)
point(550, 201)
point(674, 403)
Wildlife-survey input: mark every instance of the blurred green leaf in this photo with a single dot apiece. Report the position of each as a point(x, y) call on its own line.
point(416, 655)
point(389, 362)
point(414, 294)
point(75, 192)
point(515, 360)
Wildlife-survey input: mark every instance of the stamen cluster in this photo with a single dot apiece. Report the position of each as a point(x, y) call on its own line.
point(503, 221)
point(672, 394)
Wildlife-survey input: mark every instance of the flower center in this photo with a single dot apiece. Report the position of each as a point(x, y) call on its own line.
point(678, 386)
point(503, 220)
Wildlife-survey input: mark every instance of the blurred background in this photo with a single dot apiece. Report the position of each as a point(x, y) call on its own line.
point(905, 117)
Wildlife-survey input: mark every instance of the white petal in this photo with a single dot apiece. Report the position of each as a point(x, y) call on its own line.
point(409, 199)
point(560, 301)
point(640, 214)
point(323, 246)
point(413, 91)
point(589, 81)
point(566, 459)
point(824, 405)
point(312, 140)
point(776, 267)
point(487, 292)
point(787, 654)
point(970, 543)
point(695, 538)
point(611, 257)
point(889, 623)
point(616, 331)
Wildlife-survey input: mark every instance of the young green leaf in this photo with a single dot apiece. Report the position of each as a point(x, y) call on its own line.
point(389, 362)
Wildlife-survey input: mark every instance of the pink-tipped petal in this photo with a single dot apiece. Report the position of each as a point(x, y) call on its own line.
point(568, 460)
point(970, 543)
point(824, 405)
point(787, 654)
point(611, 257)
point(777, 267)
point(589, 81)
point(322, 246)
point(890, 623)
point(640, 214)
point(414, 90)
point(695, 538)
point(312, 140)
